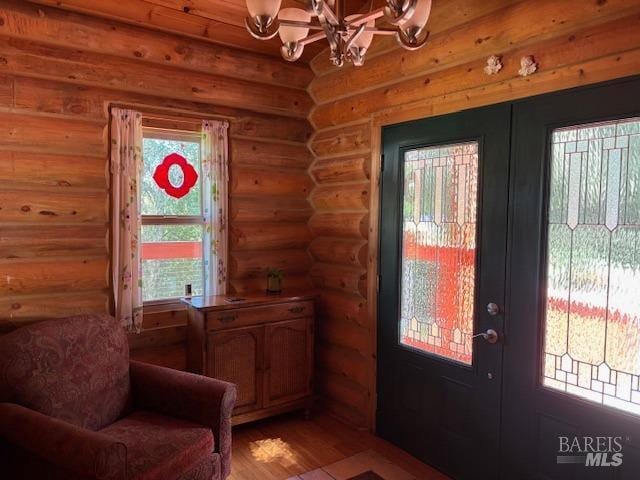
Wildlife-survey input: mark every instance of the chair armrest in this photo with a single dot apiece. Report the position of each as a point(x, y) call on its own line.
point(73, 448)
point(192, 397)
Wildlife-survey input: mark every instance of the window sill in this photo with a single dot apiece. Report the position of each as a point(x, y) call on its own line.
point(171, 304)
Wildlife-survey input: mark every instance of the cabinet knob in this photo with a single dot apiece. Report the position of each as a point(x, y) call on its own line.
point(296, 309)
point(228, 319)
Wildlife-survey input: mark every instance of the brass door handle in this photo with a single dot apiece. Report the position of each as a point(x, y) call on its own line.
point(491, 336)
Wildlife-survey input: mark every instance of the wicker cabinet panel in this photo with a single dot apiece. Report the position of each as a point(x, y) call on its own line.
point(236, 356)
point(263, 344)
point(288, 357)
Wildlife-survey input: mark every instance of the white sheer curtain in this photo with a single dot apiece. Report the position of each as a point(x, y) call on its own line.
point(126, 168)
point(215, 159)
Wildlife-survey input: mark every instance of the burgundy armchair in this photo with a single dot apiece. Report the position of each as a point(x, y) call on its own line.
point(72, 406)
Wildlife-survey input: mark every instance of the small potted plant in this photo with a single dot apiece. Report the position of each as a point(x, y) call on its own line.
point(274, 280)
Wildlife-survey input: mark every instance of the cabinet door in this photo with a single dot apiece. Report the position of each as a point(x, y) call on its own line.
point(289, 359)
point(236, 356)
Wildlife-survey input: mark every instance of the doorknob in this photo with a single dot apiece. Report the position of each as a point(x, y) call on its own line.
point(490, 335)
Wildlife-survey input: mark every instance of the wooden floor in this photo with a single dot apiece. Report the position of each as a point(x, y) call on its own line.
point(286, 446)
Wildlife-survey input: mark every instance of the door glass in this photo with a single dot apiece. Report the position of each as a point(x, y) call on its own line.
point(438, 249)
point(592, 325)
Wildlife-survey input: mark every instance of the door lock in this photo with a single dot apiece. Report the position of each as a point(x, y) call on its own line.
point(493, 309)
point(490, 335)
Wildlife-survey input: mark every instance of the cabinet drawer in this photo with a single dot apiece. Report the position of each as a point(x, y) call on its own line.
point(240, 317)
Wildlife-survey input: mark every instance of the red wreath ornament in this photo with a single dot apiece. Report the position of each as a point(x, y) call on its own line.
point(189, 175)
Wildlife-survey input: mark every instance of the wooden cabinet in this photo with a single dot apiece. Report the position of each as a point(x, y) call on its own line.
point(263, 344)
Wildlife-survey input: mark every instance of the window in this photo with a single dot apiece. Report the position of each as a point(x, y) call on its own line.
point(172, 214)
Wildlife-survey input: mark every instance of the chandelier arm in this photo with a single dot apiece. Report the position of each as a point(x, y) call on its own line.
point(336, 44)
point(313, 38)
point(398, 5)
point(354, 37)
point(330, 15)
point(383, 31)
point(397, 13)
point(366, 17)
point(315, 7)
point(338, 5)
point(320, 8)
point(295, 23)
point(329, 31)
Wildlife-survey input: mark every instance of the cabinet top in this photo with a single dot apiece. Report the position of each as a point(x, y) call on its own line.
point(224, 302)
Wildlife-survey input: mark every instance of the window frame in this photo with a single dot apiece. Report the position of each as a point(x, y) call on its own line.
point(161, 133)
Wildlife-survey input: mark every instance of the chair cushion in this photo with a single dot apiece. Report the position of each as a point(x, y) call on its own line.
point(75, 369)
point(160, 447)
point(206, 470)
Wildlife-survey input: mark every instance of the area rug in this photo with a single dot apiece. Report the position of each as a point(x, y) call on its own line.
point(366, 465)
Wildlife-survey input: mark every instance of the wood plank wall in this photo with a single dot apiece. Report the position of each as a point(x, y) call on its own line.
point(58, 74)
point(575, 42)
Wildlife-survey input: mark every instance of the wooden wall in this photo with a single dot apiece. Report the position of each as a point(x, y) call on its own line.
point(575, 42)
point(59, 72)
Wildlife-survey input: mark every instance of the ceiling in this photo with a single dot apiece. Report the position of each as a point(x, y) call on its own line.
point(219, 21)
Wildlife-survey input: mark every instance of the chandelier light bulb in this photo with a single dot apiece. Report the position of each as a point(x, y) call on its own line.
point(418, 20)
point(289, 33)
point(263, 8)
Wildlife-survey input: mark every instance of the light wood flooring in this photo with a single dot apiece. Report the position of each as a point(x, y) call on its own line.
point(288, 446)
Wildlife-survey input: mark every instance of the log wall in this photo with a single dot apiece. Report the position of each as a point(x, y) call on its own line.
point(575, 42)
point(59, 72)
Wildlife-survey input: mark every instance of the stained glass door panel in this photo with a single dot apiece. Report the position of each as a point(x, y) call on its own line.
point(439, 249)
point(592, 323)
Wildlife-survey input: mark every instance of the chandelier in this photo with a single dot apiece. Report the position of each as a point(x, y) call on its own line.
point(349, 36)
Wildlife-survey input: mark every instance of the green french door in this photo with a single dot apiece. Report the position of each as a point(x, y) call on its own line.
point(443, 239)
point(572, 360)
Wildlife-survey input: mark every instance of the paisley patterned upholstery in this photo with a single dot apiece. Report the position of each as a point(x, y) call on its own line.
point(33, 445)
point(158, 444)
point(73, 407)
point(76, 369)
